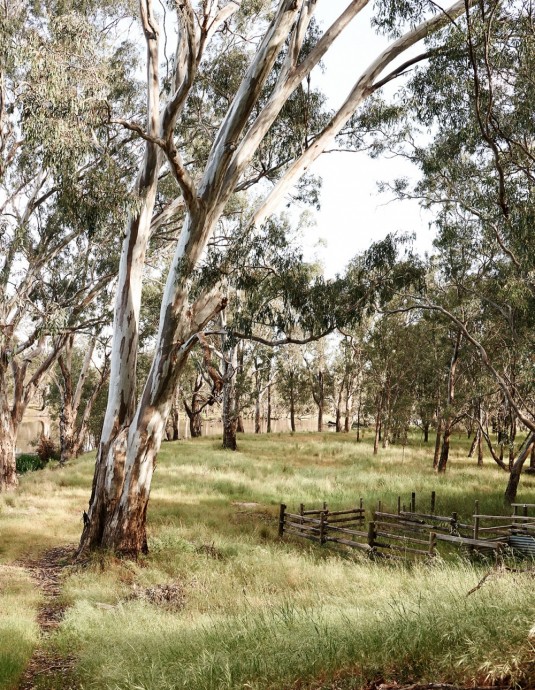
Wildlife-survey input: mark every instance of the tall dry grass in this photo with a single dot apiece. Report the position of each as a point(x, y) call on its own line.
point(244, 610)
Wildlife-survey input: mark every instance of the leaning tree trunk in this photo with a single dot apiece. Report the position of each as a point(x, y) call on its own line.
point(516, 471)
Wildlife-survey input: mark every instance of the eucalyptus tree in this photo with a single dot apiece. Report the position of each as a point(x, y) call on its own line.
point(276, 58)
point(76, 383)
point(63, 196)
point(477, 97)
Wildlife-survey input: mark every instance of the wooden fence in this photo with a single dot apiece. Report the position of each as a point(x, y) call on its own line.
point(408, 533)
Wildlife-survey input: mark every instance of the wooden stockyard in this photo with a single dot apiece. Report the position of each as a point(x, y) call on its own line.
point(408, 533)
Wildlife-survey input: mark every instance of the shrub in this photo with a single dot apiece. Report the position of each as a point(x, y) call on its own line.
point(47, 450)
point(28, 462)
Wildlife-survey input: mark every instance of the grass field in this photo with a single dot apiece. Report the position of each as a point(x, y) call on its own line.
point(221, 603)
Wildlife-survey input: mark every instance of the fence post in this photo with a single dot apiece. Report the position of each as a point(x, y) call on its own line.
point(432, 544)
point(371, 535)
point(413, 502)
point(454, 529)
point(281, 520)
point(476, 520)
point(301, 508)
point(399, 504)
point(322, 528)
point(433, 499)
point(361, 505)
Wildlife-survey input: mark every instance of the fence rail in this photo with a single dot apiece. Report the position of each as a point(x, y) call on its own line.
point(411, 533)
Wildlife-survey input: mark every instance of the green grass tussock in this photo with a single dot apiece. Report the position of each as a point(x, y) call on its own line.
point(18, 629)
point(251, 611)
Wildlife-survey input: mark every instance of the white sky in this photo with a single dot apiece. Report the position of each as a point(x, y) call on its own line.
point(353, 212)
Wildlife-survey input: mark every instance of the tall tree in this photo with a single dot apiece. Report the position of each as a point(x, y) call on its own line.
point(62, 191)
point(274, 65)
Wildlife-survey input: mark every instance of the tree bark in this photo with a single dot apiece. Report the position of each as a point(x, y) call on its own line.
point(516, 471)
point(8, 464)
point(438, 438)
point(230, 417)
point(268, 416)
point(320, 401)
point(448, 417)
point(378, 416)
point(292, 400)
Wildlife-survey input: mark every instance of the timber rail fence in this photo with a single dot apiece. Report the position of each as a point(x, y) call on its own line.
point(408, 533)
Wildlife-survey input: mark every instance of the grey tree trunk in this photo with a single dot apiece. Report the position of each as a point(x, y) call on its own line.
point(448, 418)
point(516, 471)
point(230, 413)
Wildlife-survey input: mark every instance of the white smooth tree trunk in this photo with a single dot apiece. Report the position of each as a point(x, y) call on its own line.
point(132, 434)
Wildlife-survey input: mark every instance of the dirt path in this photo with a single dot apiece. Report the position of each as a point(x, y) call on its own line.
point(47, 574)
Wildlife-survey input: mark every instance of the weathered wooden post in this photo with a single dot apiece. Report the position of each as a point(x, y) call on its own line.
point(476, 520)
point(371, 535)
point(399, 505)
point(281, 520)
point(413, 502)
point(432, 544)
point(433, 500)
point(322, 528)
point(453, 523)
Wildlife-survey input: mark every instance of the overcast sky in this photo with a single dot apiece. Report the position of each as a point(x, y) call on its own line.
point(353, 212)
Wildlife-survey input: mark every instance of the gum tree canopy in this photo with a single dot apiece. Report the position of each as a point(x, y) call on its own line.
point(63, 191)
point(263, 53)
